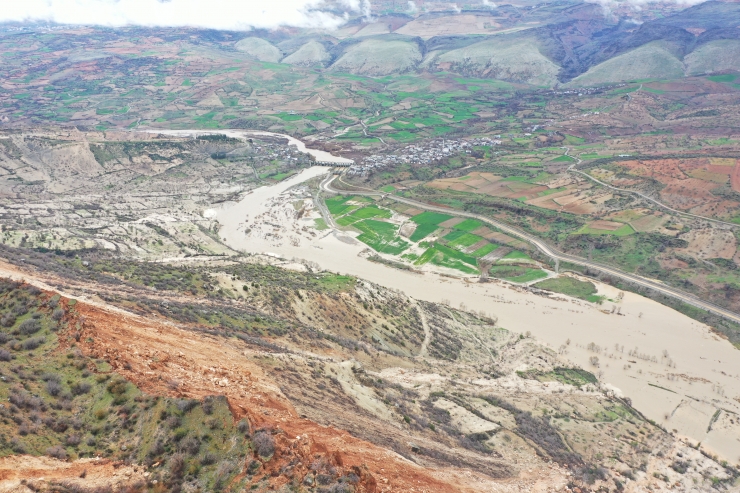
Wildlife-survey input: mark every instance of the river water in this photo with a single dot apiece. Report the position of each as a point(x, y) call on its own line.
point(705, 361)
point(245, 134)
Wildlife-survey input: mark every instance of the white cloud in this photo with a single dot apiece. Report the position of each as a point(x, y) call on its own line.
point(637, 5)
point(213, 14)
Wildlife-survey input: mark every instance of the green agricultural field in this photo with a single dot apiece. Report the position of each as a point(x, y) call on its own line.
point(422, 231)
point(347, 220)
point(447, 257)
point(517, 273)
point(468, 225)
point(338, 206)
point(462, 241)
point(427, 217)
point(485, 250)
point(320, 224)
point(370, 212)
point(625, 230)
point(516, 255)
point(381, 236)
point(584, 290)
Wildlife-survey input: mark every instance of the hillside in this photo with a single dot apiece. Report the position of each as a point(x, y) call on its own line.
point(260, 49)
point(312, 53)
point(251, 364)
point(650, 61)
point(714, 57)
point(376, 57)
point(504, 59)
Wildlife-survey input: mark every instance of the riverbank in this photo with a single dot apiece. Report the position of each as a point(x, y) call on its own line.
point(674, 369)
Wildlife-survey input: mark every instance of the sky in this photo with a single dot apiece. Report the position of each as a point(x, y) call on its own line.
point(211, 14)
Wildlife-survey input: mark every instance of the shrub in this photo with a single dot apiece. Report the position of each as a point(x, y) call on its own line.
point(243, 426)
point(157, 448)
point(264, 444)
point(51, 377)
point(24, 429)
point(208, 459)
point(81, 388)
point(57, 452)
point(185, 405)
point(33, 343)
point(18, 446)
point(4, 337)
point(73, 440)
point(53, 388)
point(57, 314)
point(8, 320)
point(177, 466)
point(5, 355)
point(190, 446)
point(117, 387)
point(29, 326)
point(101, 414)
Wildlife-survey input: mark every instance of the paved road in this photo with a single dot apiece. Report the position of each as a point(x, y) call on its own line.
point(548, 250)
point(572, 169)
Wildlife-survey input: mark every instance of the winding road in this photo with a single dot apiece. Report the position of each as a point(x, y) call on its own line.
point(572, 169)
point(548, 250)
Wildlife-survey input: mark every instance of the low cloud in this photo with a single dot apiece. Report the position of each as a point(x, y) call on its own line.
point(639, 4)
point(211, 14)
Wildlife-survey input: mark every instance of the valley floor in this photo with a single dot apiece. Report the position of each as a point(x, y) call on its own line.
point(676, 371)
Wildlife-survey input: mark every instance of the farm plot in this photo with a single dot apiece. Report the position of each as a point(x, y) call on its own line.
point(517, 273)
point(605, 228)
point(381, 236)
point(363, 213)
point(422, 231)
point(570, 286)
point(444, 256)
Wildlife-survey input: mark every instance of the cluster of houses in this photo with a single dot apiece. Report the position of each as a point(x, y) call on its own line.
point(423, 153)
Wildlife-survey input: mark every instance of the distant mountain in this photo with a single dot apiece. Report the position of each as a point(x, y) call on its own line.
point(563, 42)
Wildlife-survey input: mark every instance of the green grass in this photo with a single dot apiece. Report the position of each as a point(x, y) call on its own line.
point(463, 241)
point(569, 286)
point(625, 230)
point(388, 189)
point(516, 273)
point(516, 255)
point(428, 217)
point(572, 139)
point(347, 220)
point(88, 410)
point(569, 376)
point(337, 205)
point(422, 231)
point(485, 250)
point(381, 236)
point(447, 257)
point(371, 211)
point(363, 213)
point(320, 224)
point(723, 78)
point(468, 225)
point(563, 159)
point(551, 191)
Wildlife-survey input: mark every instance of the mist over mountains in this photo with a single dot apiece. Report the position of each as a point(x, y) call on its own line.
point(544, 45)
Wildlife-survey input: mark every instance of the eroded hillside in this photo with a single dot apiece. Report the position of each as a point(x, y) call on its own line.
point(327, 380)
